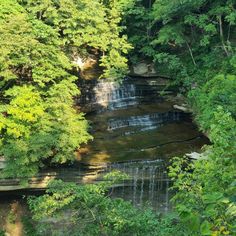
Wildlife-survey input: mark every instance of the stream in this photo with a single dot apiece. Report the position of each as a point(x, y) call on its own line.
point(135, 131)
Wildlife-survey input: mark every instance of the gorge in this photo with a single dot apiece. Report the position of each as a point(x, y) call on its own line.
point(117, 118)
point(136, 130)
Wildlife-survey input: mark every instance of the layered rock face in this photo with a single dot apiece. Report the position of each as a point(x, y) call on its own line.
point(100, 95)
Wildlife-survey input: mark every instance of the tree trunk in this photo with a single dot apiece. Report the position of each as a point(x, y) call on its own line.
point(191, 54)
point(222, 36)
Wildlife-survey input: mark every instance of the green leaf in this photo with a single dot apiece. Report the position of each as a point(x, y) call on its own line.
point(212, 197)
point(205, 228)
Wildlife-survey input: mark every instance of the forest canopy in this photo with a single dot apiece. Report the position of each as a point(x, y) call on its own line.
point(192, 42)
point(38, 40)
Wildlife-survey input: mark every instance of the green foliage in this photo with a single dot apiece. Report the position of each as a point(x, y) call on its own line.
point(11, 217)
point(2, 232)
point(206, 188)
point(87, 210)
point(36, 129)
point(197, 34)
point(138, 23)
point(168, 11)
point(28, 226)
point(220, 91)
point(91, 212)
point(170, 34)
point(83, 25)
point(38, 40)
point(30, 51)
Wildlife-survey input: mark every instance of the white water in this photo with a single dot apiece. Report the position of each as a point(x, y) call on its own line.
point(147, 184)
point(147, 121)
point(113, 95)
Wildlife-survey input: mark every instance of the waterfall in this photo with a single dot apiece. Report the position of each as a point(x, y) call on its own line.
point(130, 120)
point(135, 186)
point(149, 121)
point(112, 95)
point(146, 177)
point(107, 95)
point(167, 196)
point(141, 188)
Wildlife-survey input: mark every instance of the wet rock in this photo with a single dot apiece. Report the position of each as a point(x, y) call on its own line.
point(183, 107)
point(196, 156)
point(106, 95)
point(143, 69)
point(87, 67)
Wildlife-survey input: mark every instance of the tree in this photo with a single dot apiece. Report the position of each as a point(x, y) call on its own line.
point(93, 212)
point(85, 25)
point(38, 120)
point(205, 198)
point(192, 40)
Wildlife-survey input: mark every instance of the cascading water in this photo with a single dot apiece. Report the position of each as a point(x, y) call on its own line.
point(145, 185)
point(135, 131)
point(114, 95)
point(117, 96)
point(150, 121)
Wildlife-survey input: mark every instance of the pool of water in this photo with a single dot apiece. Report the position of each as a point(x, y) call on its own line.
point(137, 131)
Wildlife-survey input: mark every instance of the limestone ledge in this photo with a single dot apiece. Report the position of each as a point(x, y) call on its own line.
point(41, 180)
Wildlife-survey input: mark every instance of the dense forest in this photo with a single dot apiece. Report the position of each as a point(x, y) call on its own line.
point(192, 42)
